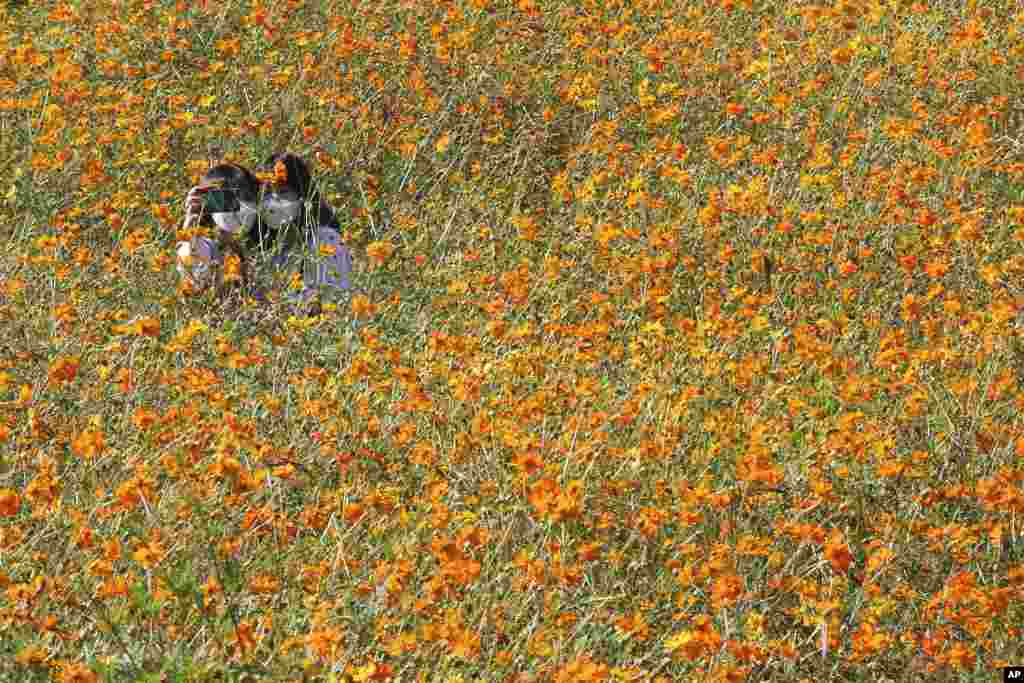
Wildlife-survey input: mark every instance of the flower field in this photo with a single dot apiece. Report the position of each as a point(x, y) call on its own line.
point(686, 344)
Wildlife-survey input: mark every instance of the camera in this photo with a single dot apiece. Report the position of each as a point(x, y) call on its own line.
point(218, 200)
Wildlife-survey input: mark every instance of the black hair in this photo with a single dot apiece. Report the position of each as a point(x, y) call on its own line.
point(299, 179)
point(315, 211)
point(242, 181)
point(231, 177)
point(237, 178)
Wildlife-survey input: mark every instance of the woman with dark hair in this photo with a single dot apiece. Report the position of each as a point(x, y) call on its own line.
point(300, 229)
point(279, 212)
point(227, 198)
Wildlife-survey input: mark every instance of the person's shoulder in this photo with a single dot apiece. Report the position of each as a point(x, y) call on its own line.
point(261, 235)
point(326, 217)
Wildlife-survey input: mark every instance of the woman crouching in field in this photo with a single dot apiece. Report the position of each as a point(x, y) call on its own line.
point(276, 214)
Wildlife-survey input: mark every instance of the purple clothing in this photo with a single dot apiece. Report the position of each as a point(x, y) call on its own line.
point(328, 272)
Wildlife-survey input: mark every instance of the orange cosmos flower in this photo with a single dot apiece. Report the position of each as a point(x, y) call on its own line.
point(64, 369)
point(380, 251)
point(76, 673)
point(149, 554)
point(10, 503)
point(837, 553)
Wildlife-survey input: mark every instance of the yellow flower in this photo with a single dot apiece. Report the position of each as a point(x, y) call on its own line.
point(380, 251)
point(33, 655)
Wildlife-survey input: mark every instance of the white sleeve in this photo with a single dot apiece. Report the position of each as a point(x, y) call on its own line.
point(197, 261)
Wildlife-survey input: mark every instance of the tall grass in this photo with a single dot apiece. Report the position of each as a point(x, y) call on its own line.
point(684, 345)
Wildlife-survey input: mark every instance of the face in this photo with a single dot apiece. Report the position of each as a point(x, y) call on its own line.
point(229, 212)
point(280, 205)
point(237, 221)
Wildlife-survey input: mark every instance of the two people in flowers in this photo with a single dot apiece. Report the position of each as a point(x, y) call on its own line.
point(276, 213)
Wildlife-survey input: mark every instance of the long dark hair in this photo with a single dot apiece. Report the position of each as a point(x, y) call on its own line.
point(315, 211)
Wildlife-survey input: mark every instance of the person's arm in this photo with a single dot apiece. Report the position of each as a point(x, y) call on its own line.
point(193, 208)
point(199, 257)
point(198, 261)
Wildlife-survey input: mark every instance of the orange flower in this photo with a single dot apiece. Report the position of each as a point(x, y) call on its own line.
point(526, 227)
point(726, 591)
point(685, 642)
point(380, 251)
point(265, 584)
point(143, 418)
point(88, 444)
point(64, 369)
point(372, 672)
point(362, 308)
point(149, 327)
point(10, 503)
point(589, 551)
point(148, 555)
point(734, 108)
point(112, 550)
point(245, 636)
point(837, 553)
point(582, 669)
point(324, 642)
point(936, 268)
point(210, 589)
point(353, 512)
point(85, 538)
point(960, 656)
point(232, 268)
point(76, 673)
point(33, 655)
point(280, 173)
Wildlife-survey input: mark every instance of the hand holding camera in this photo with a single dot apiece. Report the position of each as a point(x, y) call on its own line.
point(209, 199)
point(193, 207)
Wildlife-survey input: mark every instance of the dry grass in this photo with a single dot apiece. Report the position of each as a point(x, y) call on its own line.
point(686, 345)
